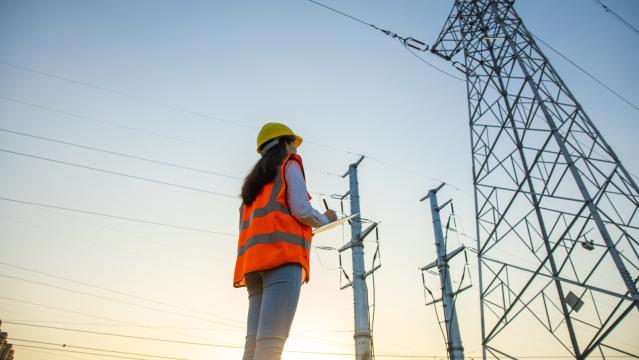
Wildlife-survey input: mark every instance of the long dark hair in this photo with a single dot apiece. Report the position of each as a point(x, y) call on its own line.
point(265, 169)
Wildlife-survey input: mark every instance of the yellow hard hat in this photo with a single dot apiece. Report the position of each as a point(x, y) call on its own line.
point(271, 131)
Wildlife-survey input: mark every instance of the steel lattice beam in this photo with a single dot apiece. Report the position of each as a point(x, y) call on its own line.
point(557, 213)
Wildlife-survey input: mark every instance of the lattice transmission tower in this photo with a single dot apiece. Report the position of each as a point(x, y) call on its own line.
point(557, 213)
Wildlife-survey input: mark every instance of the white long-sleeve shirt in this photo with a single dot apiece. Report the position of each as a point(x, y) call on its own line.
point(297, 197)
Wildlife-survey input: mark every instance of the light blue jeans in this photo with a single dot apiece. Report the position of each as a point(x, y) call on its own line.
point(273, 296)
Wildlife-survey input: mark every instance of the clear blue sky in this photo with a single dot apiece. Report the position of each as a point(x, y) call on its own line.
point(241, 64)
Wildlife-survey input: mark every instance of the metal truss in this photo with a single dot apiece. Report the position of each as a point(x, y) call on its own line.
point(556, 211)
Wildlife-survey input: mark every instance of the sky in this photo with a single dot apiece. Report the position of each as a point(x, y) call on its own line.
point(190, 84)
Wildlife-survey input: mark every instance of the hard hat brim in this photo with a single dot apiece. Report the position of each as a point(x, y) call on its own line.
point(298, 141)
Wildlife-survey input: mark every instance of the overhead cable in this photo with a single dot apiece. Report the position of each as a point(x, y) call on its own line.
point(134, 97)
point(150, 326)
point(178, 108)
point(135, 157)
point(410, 356)
point(146, 307)
point(78, 352)
point(622, 20)
point(131, 156)
point(57, 308)
point(289, 351)
point(22, 301)
point(54, 353)
point(188, 342)
point(95, 349)
point(162, 135)
point(87, 212)
point(587, 73)
point(431, 65)
point(120, 174)
point(126, 127)
point(343, 13)
point(407, 41)
point(154, 301)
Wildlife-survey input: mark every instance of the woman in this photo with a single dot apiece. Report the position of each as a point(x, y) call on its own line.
point(276, 218)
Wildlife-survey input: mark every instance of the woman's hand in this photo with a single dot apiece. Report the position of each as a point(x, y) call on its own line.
point(331, 215)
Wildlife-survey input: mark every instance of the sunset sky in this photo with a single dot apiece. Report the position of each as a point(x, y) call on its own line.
point(92, 91)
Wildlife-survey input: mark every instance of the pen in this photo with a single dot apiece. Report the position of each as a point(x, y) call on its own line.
point(325, 204)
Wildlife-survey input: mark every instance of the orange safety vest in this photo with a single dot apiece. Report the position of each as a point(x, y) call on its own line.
point(269, 235)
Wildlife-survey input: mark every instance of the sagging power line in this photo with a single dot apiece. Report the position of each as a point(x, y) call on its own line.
point(154, 134)
point(149, 101)
point(119, 174)
point(106, 352)
point(118, 292)
point(617, 16)
point(121, 154)
point(213, 345)
point(130, 156)
point(141, 306)
point(407, 42)
point(125, 127)
point(412, 45)
point(142, 221)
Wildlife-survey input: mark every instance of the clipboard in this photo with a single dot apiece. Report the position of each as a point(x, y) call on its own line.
point(333, 224)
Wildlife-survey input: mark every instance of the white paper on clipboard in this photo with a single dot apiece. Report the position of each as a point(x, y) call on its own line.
point(333, 224)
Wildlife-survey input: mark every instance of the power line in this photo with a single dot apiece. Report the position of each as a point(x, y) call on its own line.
point(79, 352)
point(31, 321)
point(121, 126)
point(242, 347)
point(178, 108)
point(114, 291)
point(205, 344)
point(134, 97)
point(444, 72)
point(344, 14)
point(129, 303)
point(63, 310)
point(331, 147)
point(123, 248)
point(96, 349)
point(55, 354)
point(120, 174)
point(195, 328)
point(89, 315)
point(120, 154)
point(429, 64)
point(114, 300)
point(160, 135)
point(116, 217)
point(587, 73)
point(406, 41)
point(295, 334)
point(135, 157)
point(622, 20)
point(130, 336)
point(157, 134)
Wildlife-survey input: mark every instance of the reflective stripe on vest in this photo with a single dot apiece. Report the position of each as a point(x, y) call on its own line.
point(273, 238)
point(261, 212)
point(272, 205)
